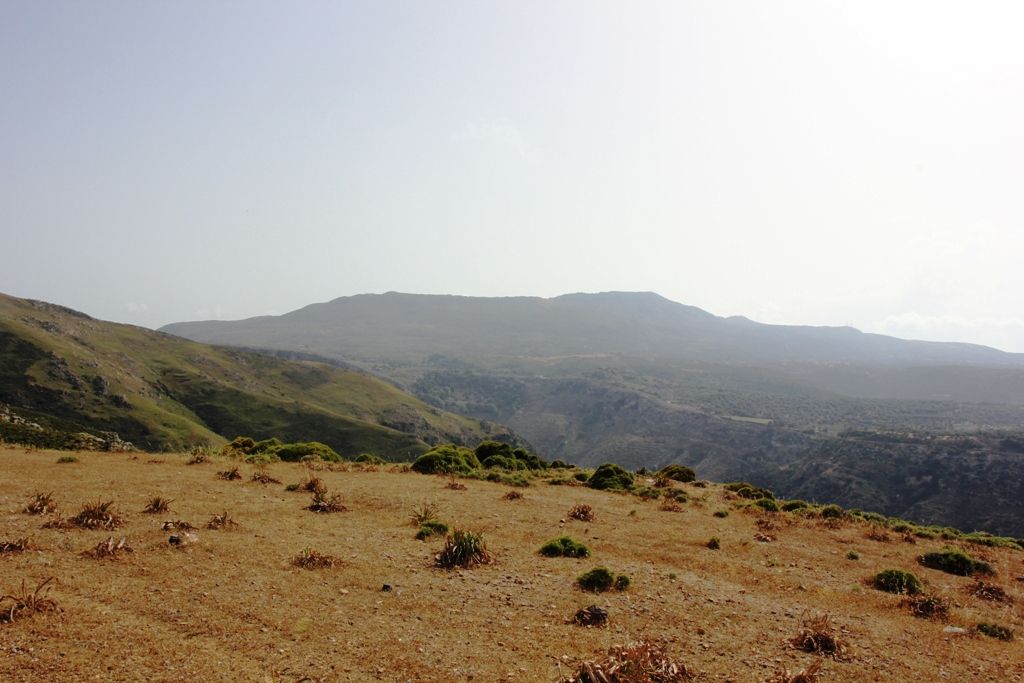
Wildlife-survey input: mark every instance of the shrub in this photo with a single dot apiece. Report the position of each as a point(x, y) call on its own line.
point(817, 636)
point(503, 463)
point(431, 527)
point(513, 495)
point(954, 562)
point(157, 505)
point(927, 607)
point(222, 521)
point(642, 662)
point(230, 475)
point(677, 495)
point(982, 538)
point(262, 476)
point(446, 459)
point(19, 545)
point(582, 512)
point(898, 581)
point(767, 504)
point(323, 504)
point(600, 579)
point(591, 616)
point(198, 456)
point(64, 459)
point(564, 547)
point(995, 631)
point(677, 473)
point(41, 504)
point(463, 549)
point(668, 505)
point(745, 490)
point(647, 493)
point(313, 559)
point(581, 477)
point(295, 452)
point(424, 512)
point(990, 592)
point(793, 505)
point(832, 511)
point(714, 543)
point(98, 515)
point(26, 602)
point(853, 555)
point(721, 514)
point(610, 477)
point(369, 459)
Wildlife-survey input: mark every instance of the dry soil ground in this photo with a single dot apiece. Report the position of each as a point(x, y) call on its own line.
point(232, 607)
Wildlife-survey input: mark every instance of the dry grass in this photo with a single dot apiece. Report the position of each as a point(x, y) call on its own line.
point(109, 548)
point(222, 521)
point(927, 607)
point(313, 559)
point(582, 512)
point(819, 637)
point(423, 513)
point(25, 602)
point(198, 458)
point(642, 662)
point(876, 533)
point(323, 503)
point(230, 475)
point(669, 505)
point(262, 476)
point(990, 592)
point(41, 504)
point(18, 545)
point(808, 674)
point(512, 495)
point(98, 515)
point(157, 505)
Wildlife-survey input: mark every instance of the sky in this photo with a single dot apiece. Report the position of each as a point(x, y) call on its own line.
point(809, 162)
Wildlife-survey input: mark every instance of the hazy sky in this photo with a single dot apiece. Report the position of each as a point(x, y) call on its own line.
point(804, 162)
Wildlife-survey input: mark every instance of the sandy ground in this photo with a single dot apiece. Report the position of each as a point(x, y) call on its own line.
point(232, 607)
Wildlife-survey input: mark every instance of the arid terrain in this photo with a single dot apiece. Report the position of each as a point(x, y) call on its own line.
point(230, 605)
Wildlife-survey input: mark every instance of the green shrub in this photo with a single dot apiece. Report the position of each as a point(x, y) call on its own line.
point(853, 555)
point(714, 543)
point(431, 527)
point(446, 459)
point(721, 514)
point(898, 581)
point(767, 504)
point(677, 495)
point(560, 465)
point(986, 539)
point(564, 547)
point(522, 457)
point(745, 490)
point(677, 473)
point(503, 462)
point(955, 562)
point(873, 517)
point(464, 549)
point(647, 493)
point(271, 444)
point(581, 476)
point(369, 459)
point(610, 477)
point(793, 505)
point(600, 579)
point(995, 631)
point(64, 459)
point(832, 511)
point(294, 452)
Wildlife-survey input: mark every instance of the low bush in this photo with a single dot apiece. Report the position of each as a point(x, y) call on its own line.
point(98, 515)
point(323, 503)
point(647, 492)
point(995, 631)
point(564, 547)
point(600, 579)
point(591, 616)
point(65, 459)
point(295, 452)
point(41, 504)
point(832, 511)
point(431, 527)
point(230, 475)
point(990, 592)
point(955, 562)
point(927, 607)
point(18, 545)
point(513, 495)
point(817, 636)
point(721, 514)
point(642, 662)
point(794, 505)
point(853, 555)
point(582, 512)
point(263, 476)
point(446, 459)
point(745, 490)
point(714, 543)
point(314, 559)
point(767, 504)
point(157, 505)
point(680, 473)
point(464, 549)
point(611, 477)
point(222, 521)
point(897, 581)
point(369, 459)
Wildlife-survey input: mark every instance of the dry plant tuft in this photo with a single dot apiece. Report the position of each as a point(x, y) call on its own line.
point(818, 636)
point(322, 503)
point(513, 495)
point(927, 607)
point(19, 545)
point(41, 504)
point(876, 533)
point(313, 484)
point(764, 538)
point(262, 476)
point(422, 513)
point(668, 505)
point(464, 549)
point(27, 603)
point(109, 548)
point(157, 505)
point(198, 458)
point(222, 521)
point(98, 515)
point(990, 592)
point(591, 616)
point(230, 475)
point(177, 525)
point(313, 559)
point(455, 485)
point(808, 674)
point(642, 662)
point(766, 524)
point(582, 512)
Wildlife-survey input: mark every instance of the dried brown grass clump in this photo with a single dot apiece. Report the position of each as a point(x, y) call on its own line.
point(230, 475)
point(668, 505)
point(222, 521)
point(808, 674)
point(876, 533)
point(591, 616)
point(109, 548)
point(990, 592)
point(313, 559)
point(322, 503)
point(177, 525)
point(26, 602)
point(642, 662)
point(817, 636)
point(766, 524)
point(927, 607)
point(18, 545)
point(157, 505)
point(582, 512)
point(513, 495)
point(41, 504)
point(313, 484)
point(98, 515)
point(198, 458)
point(454, 484)
point(423, 513)
point(262, 476)
point(761, 537)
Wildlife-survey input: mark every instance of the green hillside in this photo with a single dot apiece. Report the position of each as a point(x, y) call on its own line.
point(64, 370)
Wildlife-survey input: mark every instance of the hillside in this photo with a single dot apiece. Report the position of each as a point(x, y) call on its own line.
point(230, 605)
point(637, 379)
point(67, 371)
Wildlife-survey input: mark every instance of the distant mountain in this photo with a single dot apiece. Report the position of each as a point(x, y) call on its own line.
point(67, 371)
point(640, 380)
